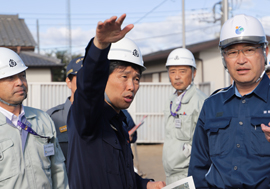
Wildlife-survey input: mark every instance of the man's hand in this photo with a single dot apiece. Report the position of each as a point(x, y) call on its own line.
point(110, 31)
point(266, 131)
point(155, 185)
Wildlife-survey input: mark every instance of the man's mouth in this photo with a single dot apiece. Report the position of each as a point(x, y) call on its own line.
point(128, 99)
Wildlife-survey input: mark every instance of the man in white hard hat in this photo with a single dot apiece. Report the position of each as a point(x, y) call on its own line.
point(99, 155)
point(181, 113)
point(229, 147)
point(30, 155)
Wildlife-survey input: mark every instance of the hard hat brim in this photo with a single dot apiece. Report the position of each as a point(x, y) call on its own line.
point(242, 39)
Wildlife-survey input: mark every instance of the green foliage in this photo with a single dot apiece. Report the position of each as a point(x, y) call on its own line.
point(59, 74)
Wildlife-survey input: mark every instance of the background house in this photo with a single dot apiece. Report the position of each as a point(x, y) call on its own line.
point(15, 35)
point(210, 75)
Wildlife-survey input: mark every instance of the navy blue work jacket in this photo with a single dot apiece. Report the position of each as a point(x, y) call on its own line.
point(229, 147)
point(129, 124)
point(99, 156)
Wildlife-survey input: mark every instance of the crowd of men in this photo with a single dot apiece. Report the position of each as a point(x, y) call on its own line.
point(222, 141)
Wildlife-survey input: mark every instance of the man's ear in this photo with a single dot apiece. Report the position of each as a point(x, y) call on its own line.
point(194, 73)
point(68, 83)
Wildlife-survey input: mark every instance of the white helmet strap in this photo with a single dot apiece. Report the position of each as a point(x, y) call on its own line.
point(260, 76)
point(1, 100)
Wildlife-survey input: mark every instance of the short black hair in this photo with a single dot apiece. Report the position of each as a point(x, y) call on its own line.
point(122, 64)
point(70, 77)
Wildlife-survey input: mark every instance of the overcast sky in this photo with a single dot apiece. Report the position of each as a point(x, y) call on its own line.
point(158, 23)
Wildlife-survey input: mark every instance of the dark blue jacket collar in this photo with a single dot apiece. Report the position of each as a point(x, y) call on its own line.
point(261, 90)
point(111, 113)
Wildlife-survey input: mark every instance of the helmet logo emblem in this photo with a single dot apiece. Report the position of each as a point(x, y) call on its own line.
point(176, 58)
point(12, 63)
point(239, 30)
point(136, 53)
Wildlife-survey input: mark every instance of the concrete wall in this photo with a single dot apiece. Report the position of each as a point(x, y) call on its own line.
point(38, 75)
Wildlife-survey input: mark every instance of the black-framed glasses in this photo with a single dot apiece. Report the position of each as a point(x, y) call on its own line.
point(247, 51)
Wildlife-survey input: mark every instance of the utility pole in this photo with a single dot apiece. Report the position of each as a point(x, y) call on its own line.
point(69, 30)
point(183, 25)
point(38, 38)
point(224, 18)
point(225, 11)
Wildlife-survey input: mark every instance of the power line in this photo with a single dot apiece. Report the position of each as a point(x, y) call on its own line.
point(147, 38)
point(177, 33)
point(98, 13)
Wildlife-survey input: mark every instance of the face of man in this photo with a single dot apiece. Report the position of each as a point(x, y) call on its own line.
point(245, 70)
point(72, 85)
point(180, 76)
point(122, 85)
point(13, 89)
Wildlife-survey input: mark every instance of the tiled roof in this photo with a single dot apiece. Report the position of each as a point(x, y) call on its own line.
point(14, 32)
point(32, 59)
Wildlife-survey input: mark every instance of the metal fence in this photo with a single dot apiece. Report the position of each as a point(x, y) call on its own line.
point(150, 100)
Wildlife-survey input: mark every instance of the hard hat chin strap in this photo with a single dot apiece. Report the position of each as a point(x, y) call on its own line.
point(260, 76)
point(180, 91)
point(1, 100)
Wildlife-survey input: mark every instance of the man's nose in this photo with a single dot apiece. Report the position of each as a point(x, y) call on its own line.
point(130, 85)
point(241, 58)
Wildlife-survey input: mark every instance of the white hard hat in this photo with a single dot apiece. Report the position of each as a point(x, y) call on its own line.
point(181, 57)
point(10, 63)
point(126, 50)
point(242, 29)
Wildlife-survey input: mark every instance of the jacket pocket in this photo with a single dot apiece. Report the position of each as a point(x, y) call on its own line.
point(8, 163)
point(259, 145)
point(38, 152)
point(183, 133)
point(218, 135)
point(112, 155)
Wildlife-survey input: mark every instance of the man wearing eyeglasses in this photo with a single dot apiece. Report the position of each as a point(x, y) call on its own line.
point(229, 147)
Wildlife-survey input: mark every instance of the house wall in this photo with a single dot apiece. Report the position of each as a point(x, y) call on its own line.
point(38, 75)
point(198, 77)
point(213, 70)
point(154, 68)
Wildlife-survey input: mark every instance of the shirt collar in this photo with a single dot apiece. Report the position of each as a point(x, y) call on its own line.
point(12, 117)
point(261, 90)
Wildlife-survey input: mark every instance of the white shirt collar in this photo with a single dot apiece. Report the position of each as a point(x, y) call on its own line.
point(13, 118)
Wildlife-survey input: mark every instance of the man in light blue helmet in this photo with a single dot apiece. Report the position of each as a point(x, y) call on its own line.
point(229, 147)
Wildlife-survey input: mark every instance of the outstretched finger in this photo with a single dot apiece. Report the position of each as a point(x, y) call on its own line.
point(127, 29)
point(121, 19)
point(110, 21)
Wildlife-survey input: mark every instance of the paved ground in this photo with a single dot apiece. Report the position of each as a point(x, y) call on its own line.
point(149, 161)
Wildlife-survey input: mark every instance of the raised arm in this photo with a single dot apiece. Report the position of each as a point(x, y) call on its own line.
point(92, 77)
point(110, 31)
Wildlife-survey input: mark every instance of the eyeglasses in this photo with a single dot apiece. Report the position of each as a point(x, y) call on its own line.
point(247, 51)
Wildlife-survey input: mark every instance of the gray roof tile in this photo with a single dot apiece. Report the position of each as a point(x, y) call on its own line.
point(14, 32)
point(32, 59)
